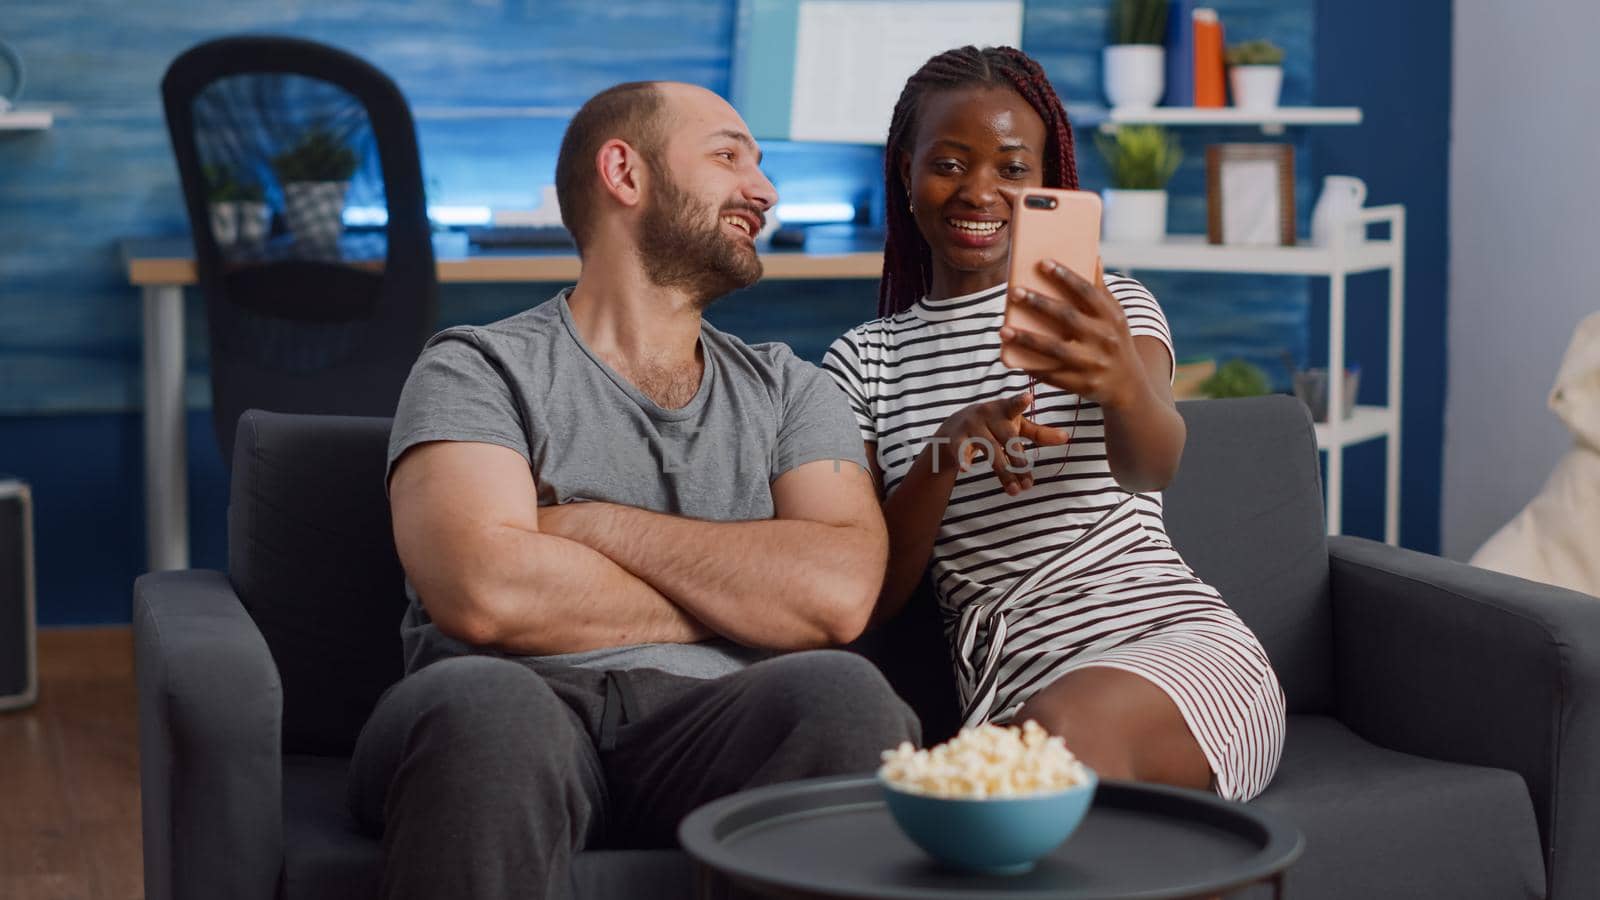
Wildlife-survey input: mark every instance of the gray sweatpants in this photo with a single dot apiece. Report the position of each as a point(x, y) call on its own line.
point(486, 775)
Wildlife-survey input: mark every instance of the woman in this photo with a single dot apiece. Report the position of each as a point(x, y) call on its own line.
point(1062, 596)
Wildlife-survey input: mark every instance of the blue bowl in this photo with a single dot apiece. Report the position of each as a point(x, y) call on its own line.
point(1002, 835)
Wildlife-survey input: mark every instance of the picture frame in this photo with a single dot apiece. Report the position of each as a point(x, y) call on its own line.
point(1250, 194)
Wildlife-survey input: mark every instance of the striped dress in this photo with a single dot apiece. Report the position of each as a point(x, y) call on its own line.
point(1075, 571)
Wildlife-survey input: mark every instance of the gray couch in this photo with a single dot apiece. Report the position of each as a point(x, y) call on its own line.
point(1444, 721)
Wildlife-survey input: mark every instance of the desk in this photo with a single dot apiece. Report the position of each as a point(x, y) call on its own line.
point(162, 267)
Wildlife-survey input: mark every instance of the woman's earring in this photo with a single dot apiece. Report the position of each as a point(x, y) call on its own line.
point(911, 206)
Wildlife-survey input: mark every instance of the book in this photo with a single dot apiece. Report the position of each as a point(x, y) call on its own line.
point(1210, 78)
point(1180, 53)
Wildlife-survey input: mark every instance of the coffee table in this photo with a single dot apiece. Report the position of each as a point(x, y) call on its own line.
point(835, 838)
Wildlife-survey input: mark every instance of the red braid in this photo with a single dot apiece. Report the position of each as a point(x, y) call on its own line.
point(907, 261)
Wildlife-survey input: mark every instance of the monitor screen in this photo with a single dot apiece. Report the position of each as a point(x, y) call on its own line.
point(831, 70)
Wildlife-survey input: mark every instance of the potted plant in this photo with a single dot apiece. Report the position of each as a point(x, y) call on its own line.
point(238, 208)
point(1135, 55)
point(1141, 160)
point(1255, 73)
point(254, 214)
point(1236, 378)
point(315, 174)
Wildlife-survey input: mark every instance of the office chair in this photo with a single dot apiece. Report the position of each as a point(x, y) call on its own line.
point(280, 141)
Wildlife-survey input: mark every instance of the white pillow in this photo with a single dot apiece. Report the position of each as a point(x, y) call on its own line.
point(1556, 538)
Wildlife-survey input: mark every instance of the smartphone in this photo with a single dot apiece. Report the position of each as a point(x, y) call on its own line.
point(1047, 223)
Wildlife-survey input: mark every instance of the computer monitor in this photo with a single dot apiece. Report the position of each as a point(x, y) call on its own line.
point(831, 70)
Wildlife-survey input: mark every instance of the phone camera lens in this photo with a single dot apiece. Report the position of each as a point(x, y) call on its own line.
point(1036, 202)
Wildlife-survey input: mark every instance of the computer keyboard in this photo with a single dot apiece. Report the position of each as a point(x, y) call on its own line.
point(505, 236)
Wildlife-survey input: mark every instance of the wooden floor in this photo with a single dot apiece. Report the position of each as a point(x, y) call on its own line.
point(69, 774)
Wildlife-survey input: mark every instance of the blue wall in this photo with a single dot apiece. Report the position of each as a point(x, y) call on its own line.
point(69, 325)
point(1399, 74)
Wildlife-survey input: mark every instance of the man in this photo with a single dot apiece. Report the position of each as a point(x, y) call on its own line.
point(615, 520)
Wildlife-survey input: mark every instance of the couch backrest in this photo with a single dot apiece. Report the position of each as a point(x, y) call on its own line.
point(311, 555)
point(1246, 513)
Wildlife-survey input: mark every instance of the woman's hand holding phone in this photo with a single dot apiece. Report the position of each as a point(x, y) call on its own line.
point(1090, 351)
point(995, 429)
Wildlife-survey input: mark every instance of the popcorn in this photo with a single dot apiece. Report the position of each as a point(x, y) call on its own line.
point(984, 762)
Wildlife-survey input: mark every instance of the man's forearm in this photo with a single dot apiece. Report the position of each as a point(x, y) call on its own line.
point(781, 584)
point(542, 594)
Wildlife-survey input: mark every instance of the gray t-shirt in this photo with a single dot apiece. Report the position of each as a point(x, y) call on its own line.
point(529, 383)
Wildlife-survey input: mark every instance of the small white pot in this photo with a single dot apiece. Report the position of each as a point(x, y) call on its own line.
point(253, 221)
point(1134, 217)
point(225, 224)
point(1256, 87)
point(1135, 75)
point(315, 211)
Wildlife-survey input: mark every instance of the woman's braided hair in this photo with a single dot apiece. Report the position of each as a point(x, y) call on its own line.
point(907, 261)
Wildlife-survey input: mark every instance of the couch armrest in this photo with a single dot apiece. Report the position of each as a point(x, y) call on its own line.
point(210, 741)
point(1445, 660)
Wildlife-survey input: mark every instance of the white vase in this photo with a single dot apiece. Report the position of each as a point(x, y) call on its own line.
point(1135, 75)
point(225, 224)
point(1134, 217)
point(315, 211)
point(253, 221)
point(1256, 87)
point(1341, 198)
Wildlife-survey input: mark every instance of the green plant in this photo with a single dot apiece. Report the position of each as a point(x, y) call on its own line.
point(225, 186)
point(318, 156)
point(1138, 22)
point(1236, 378)
point(1140, 157)
point(249, 192)
point(1255, 53)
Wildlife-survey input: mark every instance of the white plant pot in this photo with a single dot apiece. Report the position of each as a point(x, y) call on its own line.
point(225, 224)
point(315, 211)
point(1256, 87)
point(254, 219)
point(1134, 217)
point(1135, 75)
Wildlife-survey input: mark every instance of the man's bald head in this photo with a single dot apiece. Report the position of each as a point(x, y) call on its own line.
point(634, 112)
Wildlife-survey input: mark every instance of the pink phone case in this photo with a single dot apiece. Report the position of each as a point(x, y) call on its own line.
point(1060, 225)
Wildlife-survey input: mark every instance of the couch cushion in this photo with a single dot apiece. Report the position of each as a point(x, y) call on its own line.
point(327, 856)
point(1383, 824)
point(1245, 510)
point(311, 555)
point(324, 853)
point(633, 875)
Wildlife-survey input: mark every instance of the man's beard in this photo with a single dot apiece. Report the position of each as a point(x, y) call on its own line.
point(683, 247)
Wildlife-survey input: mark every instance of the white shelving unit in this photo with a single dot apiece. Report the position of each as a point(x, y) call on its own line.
point(26, 120)
point(1271, 121)
point(1191, 253)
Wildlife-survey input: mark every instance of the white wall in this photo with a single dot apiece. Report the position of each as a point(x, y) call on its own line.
point(1524, 248)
